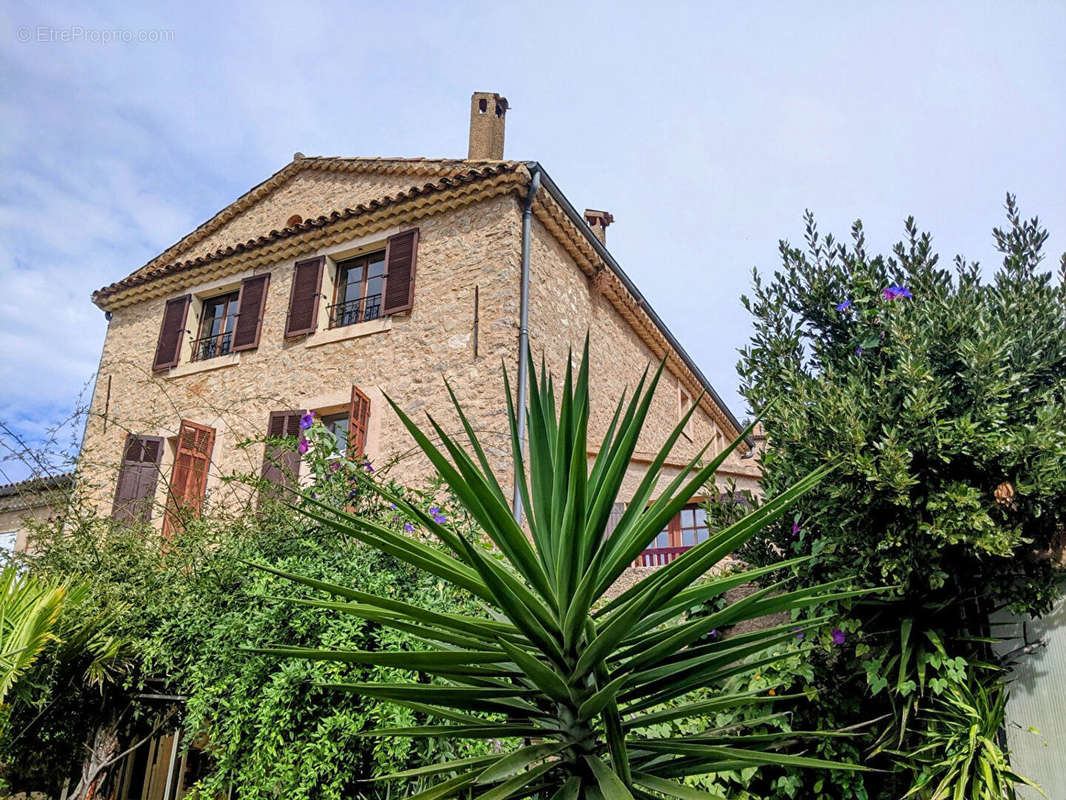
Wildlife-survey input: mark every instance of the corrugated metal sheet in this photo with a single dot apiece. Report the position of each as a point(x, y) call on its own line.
point(1036, 710)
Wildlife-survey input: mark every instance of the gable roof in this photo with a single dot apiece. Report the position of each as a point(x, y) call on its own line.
point(436, 184)
point(441, 174)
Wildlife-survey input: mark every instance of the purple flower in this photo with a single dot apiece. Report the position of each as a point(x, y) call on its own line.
point(307, 420)
point(838, 636)
point(435, 510)
point(799, 634)
point(392, 506)
point(368, 466)
point(895, 292)
point(304, 445)
point(351, 495)
point(858, 350)
point(438, 518)
point(842, 307)
point(407, 526)
point(714, 633)
point(336, 465)
point(795, 528)
point(395, 519)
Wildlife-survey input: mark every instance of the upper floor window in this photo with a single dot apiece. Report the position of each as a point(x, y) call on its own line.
point(359, 289)
point(217, 322)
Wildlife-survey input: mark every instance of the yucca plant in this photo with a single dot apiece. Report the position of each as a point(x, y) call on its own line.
point(566, 682)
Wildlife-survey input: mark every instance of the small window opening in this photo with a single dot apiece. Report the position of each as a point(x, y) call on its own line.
point(295, 219)
point(482, 105)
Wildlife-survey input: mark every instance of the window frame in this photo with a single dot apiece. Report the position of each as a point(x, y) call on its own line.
point(222, 342)
point(342, 267)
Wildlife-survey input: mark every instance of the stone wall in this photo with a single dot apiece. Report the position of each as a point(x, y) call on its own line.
point(406, 356)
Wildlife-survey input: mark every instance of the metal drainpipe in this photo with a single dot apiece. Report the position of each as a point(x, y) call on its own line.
point(523, 336)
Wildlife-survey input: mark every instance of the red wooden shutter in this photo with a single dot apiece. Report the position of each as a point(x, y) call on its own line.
point(137, 476)
point(250, 304)
point(281, 465)
point(188, 480)
point(168, 348)
point(401, 257)
point(303, 297)
point(358, 422)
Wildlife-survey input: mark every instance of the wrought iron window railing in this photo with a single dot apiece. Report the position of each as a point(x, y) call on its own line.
point(211, 346)
point(353, 311)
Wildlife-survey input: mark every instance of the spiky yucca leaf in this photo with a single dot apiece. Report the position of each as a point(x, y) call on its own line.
point(577, 679)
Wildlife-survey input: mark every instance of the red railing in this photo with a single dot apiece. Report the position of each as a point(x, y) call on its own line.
point(658, 556)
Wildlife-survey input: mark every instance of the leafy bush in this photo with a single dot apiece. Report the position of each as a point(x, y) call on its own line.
point(942, 398)
point(189, 605)
point(568, 683)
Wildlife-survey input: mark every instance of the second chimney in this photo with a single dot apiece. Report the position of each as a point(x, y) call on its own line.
point(487, 112)
point(598, 221)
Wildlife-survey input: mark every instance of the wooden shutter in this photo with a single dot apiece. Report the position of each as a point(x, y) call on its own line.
point(137, 477)
point(281, 465)
point(401, 257)
point(303, 297)
point(250, 304)
point(358, 422)
point(188, 479)
point(168, 348)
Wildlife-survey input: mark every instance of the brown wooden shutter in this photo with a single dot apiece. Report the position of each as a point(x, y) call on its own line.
point(168, 348)
point(401, 258)
point(188, 479)
point(281, 465)
point(303, 297)
point(358, 422)
point(250, 305)
point(137, 477)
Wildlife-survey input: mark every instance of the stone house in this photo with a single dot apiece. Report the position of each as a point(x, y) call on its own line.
point(336, 280)
point(33, 501)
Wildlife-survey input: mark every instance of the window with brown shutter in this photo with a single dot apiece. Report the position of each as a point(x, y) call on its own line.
point(281, 464)
point(137, 478)
point(358, 423)
point(168, 348)
point(401, 258)
point(304, 297)
point(188, 479)
point(250, 305)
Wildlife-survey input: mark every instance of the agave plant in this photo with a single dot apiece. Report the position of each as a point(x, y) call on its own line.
point(568, 682)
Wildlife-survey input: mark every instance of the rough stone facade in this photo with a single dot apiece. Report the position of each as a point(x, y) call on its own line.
point(35, 501)
point(470, 242)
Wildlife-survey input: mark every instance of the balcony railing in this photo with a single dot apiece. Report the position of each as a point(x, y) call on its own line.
point(361, 310)
point(659, 556)
point(211, 346)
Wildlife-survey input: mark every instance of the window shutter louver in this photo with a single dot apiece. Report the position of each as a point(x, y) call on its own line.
point(401, 258)
point(358, 422)
point(137, 478)
point(250, 305)
point(303, 297)
point(168, 348)
point(281, 465)
point(188, 480)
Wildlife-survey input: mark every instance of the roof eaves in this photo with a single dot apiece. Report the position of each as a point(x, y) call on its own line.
point(604, 253)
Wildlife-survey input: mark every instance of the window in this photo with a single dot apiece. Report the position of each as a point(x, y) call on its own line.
point(685, 530)
point(359, 289)
point(188, 479)
point(137, 477)
point(337, 424)
point(7, 541)
point(217, 320)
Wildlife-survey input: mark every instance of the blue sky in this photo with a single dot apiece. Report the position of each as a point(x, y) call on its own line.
point(706, 128)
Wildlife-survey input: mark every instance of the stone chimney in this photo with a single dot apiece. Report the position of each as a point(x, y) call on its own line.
point(487, 112)
point(598, 221)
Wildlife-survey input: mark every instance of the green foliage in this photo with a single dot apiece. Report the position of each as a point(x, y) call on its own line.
point(569, 683)
point(188, 608)
point(960, 757)
point(942, 399)
point(29, 608)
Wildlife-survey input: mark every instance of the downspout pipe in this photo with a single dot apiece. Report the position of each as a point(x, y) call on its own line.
point(523, 336)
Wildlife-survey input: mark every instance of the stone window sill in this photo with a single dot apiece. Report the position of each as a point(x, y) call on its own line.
point(207, 365)
point(331, 335)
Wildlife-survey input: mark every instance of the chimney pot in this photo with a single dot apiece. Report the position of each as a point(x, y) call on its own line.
point(487, 113)
point(598, 221)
